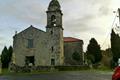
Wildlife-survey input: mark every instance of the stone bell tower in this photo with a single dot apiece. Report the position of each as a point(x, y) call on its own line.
point(54, 30)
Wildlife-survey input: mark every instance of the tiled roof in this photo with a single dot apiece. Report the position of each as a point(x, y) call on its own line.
point(71, 39)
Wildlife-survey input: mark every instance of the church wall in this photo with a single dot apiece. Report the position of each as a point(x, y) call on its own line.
point(69, 49)
point(39, 50)
point(59, 46)
point(56, 41)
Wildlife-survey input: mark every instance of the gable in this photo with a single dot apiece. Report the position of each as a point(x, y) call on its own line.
point(31, 30)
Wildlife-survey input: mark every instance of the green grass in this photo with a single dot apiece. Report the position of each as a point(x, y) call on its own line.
point(6, 72)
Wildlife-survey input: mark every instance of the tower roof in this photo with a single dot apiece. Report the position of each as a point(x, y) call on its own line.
point(54, 5)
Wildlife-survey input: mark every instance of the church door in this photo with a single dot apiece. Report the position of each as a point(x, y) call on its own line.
point(52, 62)
point(29, 60)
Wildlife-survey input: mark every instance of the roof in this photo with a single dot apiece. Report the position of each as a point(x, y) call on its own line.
point(71, 39)
point(30, 28)
point(54, 5)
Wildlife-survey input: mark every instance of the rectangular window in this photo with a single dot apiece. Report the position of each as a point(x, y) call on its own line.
point(30, 43)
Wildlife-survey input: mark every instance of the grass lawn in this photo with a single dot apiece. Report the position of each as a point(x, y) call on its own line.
point(6, 72)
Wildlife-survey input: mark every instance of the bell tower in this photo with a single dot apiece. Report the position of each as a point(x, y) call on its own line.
point(54, 15)
point(54, 31)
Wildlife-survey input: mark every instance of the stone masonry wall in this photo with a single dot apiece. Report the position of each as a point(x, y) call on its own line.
point(69, 49)
point(39, 50)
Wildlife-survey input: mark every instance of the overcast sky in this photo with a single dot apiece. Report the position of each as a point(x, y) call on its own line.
point(82, 19)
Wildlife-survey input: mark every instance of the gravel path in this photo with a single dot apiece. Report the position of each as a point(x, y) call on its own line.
point(79, 75)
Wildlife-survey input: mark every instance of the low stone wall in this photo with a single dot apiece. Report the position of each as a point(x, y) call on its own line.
point(15, 68)
point(72, 68)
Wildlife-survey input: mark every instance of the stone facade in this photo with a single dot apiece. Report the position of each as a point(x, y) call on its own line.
point(72, 45)
point(38, 50)
point(54, 30)
point(44, 48)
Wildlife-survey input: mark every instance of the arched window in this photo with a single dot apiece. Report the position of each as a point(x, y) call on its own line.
point(53, 20)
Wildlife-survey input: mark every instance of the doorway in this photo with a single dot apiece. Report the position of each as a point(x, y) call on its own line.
point(29, 60)
point(52, 62)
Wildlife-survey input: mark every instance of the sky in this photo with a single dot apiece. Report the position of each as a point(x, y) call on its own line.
point(83, 19)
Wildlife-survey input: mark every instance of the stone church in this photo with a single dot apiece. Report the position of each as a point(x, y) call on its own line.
point(36, 47)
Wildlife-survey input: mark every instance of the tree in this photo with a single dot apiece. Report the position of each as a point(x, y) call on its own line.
point(115, 47)
point(6, 56)
point(10, 51)
point(94, 51)
point(76, 56)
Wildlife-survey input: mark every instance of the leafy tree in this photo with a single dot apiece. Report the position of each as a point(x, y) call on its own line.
point(94, 51)
point(76, 56)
